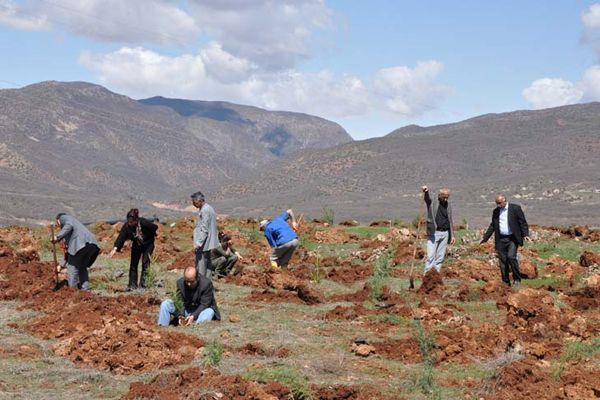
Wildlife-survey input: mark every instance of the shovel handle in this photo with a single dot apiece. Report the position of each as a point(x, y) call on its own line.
point(54, 253)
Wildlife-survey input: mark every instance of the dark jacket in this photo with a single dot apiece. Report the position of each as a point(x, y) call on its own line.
point(200, 298)
point(431, 214)
point(516, 222)
point(127, 233)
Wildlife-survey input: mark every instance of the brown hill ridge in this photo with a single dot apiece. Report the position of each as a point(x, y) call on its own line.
point(80, 147)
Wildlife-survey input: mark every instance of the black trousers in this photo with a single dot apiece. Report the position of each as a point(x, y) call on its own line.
point(506, 248)
point(137, 252)
point(85, 257)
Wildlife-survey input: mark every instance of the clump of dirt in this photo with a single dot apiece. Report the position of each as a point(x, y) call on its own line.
point(349, 222)
point(126, 346)
point(255, 349)
point(248, 277)
point(19, 243)
point(526, 379)
point(356, 297)
point(582, 232)
point(332, 235)
point(494, 290)
point(24, 351)
point(589, 260)
point(438, 314)
point(346, 313)
point(534, 311)
point(271, 296)
point(464, 343)
point(25, 281)
point(349, 273)
point(182, 261)
point(383, 222)
point(585, 298)
point(405, 251)
point(405, 350)
point(432, 283)
point(194, 383)
point(343, 392)
point(65, 307)
point(471, 270)
point(528, 268)
point(281, 279)
point(563, 268)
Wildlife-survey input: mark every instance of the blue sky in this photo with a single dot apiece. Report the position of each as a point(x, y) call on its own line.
point(371, 66)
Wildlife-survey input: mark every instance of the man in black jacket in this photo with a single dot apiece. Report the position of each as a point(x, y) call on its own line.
point(141, 232)
point(198, 297)
point(510, 229)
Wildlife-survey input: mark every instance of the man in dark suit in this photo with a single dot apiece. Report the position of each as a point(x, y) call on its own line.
point(510, 229)
point(198, 297)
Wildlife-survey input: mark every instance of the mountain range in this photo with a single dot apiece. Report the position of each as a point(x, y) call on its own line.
point(80, 148)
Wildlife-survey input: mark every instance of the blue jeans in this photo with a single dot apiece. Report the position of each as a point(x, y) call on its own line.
point(167, 308)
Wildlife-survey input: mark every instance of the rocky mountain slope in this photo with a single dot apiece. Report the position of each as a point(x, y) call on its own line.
point(81, 148)
point(548, 160)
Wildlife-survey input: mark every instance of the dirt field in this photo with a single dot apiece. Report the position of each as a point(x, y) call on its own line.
point(340, 323)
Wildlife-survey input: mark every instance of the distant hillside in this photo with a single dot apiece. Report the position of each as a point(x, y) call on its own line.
point(81, 148)
point(548, 160)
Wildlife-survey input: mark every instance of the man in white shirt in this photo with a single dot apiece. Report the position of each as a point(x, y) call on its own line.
point(510, 229)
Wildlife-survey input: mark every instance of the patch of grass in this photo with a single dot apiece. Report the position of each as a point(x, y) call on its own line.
point(425, 381)
point(566, 249)
point(367, 231)
point(391, 318)
point(287, 376)
point(575, 351)
point(543, 281)
point(381, 272)
point(151, 276)
point(327, 215)
point(315, 274)
point(213, 354)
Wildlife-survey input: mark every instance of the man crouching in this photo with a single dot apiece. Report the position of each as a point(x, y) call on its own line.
point(198, 297)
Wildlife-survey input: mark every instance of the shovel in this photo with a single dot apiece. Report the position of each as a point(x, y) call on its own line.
point(56, 284)
point(412, 265)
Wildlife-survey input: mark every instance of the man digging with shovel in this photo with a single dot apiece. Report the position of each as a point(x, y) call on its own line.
point(82, 249)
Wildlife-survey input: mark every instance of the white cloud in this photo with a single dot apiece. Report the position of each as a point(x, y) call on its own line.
point(591, 18)
point(140, 72)
point(410, 91)
point(552, 92)
point(273, 34)
point(12, 15)
point(223, 66)
point(591, 83)
point(131, 21)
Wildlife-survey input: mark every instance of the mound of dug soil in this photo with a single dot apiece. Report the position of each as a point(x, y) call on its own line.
point(127, 346)
point(255, 349)
point(589, 259)
point(526, 380)
point(194, 383)
point(432, 283)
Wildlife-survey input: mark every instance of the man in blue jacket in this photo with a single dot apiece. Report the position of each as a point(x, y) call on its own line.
point(281, 237)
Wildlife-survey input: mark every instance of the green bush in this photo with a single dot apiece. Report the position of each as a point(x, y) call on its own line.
point(287, 376)
point(213, 353)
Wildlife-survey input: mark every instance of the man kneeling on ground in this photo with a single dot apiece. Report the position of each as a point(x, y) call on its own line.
point(281, 237)
point(198, 297)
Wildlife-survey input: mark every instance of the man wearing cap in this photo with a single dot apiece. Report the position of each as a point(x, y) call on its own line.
point(281, 237)
point(206, 237)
